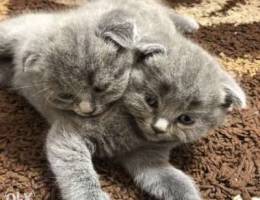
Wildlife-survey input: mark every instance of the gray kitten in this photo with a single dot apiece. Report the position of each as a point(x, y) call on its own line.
point(80, 60)
point(72, 66)
point(173, 97)
point(166, 101)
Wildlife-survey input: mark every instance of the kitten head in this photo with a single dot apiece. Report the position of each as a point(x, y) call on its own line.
point(85, 68)
point(180, 94)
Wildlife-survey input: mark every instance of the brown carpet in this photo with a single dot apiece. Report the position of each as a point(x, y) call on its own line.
point(224, 165)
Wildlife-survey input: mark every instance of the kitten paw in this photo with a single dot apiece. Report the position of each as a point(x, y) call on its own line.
point(185, 190)
point(173, 194)
point(192, 25)
point(188, 192)
point(169, 184)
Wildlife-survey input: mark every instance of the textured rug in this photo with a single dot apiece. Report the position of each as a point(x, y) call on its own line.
point(225, 165)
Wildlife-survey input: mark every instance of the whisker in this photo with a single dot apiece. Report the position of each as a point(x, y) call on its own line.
point(26, 86)
point(40, 92)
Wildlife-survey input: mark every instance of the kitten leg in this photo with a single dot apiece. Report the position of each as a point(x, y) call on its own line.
point(151, 170)
point(70, 160)
point(184, 24)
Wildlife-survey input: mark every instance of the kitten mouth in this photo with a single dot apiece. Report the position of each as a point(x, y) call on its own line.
point(98, 112)
point(83, 114)
point(158, 132)
point(155, 135)
point(87, 115)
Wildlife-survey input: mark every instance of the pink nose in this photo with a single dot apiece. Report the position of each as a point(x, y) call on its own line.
point(161, 125)
point(85, 107)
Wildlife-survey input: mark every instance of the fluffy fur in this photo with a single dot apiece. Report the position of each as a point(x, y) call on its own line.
point(175, 94)
point(52, 49)
point(55, 62)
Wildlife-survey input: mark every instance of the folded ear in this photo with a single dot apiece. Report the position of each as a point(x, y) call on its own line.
point(117, 27)
point(29, 59)
point(183, 23)
point(148, 49)
point(234, 96)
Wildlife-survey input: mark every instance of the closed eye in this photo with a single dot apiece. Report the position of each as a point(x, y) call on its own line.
point(65, 97)
point(100, 88)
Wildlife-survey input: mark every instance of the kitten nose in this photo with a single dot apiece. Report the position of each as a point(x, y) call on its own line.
point(161, 125)
point(86, 107)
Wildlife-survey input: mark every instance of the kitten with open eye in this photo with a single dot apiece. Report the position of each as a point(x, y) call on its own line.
point(175, 95)
point(79, 60)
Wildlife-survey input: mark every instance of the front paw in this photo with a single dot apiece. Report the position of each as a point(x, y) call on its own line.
point(192, 25)
point(180, 192)
point(179, 188)
point(168, 184)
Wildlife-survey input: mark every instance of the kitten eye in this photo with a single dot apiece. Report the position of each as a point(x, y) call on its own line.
point(185, 120)
point(99, 89)
point(152, 101)
point(65, 97)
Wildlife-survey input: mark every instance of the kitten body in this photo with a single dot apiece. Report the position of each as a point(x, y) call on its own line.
point(80, 41)
point(173, 83)
point(186, 83)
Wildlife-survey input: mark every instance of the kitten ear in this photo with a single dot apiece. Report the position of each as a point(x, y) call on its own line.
point(118, 27)
point(183, 23)
point(234, 96)
point(29, 62)
point(145, 50)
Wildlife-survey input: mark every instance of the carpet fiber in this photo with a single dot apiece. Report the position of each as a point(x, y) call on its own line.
point(224, 165)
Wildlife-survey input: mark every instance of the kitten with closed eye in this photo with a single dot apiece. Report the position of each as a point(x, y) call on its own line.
point(174, 96)
point(79, 60)
point(71, 66)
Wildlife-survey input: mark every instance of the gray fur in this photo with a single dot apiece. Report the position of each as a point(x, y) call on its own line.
point(56, 63)
point(108, 29)
point(157, 176)
point(184, 78)
point(185, 24)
